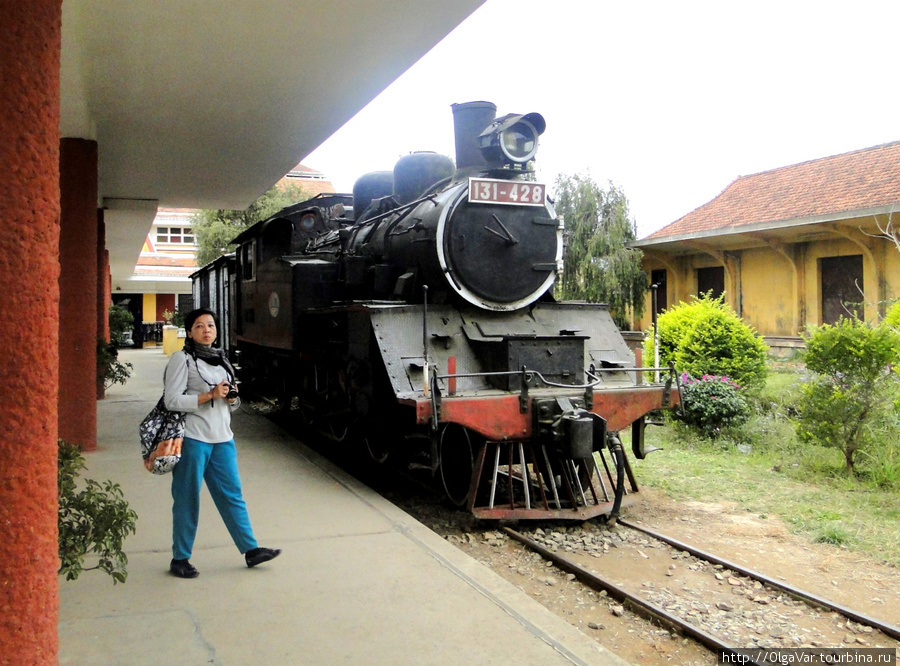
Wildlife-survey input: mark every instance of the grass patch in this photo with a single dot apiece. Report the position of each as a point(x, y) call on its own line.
point(764, 469)
point(835, 535)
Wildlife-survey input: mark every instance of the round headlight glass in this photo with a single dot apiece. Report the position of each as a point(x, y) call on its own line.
point(308, 222)
point(519, 142)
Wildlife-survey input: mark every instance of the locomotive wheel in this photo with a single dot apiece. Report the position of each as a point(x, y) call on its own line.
point(336, 429)
point(456, 463)
point(308, 408)
point(285, 400)
point(307, 412)
point(376, 449)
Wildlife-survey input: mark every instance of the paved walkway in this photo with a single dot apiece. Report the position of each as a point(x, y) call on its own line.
point(359, 582)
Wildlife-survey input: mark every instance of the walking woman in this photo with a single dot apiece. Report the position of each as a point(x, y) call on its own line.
point(200, 382)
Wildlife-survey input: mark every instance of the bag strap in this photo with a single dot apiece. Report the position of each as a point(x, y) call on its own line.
point(162, 401)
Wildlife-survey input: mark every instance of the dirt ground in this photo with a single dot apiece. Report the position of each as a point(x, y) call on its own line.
point(726, 604)
point(766, 545)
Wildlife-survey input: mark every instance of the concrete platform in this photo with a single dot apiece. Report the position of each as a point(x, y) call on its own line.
point(359, 581)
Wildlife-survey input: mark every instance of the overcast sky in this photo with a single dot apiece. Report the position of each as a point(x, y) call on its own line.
point(671, 101)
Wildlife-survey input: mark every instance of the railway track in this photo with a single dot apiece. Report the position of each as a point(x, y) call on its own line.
point(658, 614)
point(648, 610)
point(413, 493)
point(796, 593)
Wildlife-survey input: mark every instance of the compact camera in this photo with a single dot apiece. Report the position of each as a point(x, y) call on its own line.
point(232, 392)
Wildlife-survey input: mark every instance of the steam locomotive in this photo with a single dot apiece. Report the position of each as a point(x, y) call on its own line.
point(416, 318)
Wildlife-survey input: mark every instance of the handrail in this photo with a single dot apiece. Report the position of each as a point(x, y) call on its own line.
point(530, 374)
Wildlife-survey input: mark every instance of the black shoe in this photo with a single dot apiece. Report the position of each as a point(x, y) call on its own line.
point(260, 555)
point(183, 569)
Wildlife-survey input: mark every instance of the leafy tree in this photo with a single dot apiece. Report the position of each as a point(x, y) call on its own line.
point(215, 229)
point(598, 265)
point(851, 391)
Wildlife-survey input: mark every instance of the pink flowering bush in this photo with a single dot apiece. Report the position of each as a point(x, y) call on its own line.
point(712, 404)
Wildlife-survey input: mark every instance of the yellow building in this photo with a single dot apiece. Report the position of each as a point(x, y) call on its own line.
point(792, 247)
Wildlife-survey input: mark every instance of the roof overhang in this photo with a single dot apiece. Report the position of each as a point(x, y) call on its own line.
point(200, 105)
point(797, 230)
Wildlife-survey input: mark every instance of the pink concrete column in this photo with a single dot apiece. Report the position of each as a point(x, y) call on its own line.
point(78, 285)
point(29, 303)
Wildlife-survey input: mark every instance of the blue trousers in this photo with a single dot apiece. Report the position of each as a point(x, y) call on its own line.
point(217, 464)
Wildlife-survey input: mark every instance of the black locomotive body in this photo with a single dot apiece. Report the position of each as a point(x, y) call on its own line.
point(417, 316)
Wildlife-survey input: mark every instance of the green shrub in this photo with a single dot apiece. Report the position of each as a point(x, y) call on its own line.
point(712, 404)
point(851, 350)
point(120, 320)
point(706, 337)
point(94, 519)
point(892, 317)
point(110, 370)
point(892, 322)
point(174, 318)
point(847, 402)
point(673, 324)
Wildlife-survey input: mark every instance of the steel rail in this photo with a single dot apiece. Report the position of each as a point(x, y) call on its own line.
point(640, 606)
point(795, 592)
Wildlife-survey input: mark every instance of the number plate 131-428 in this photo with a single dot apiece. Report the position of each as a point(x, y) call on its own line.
point(511, 192)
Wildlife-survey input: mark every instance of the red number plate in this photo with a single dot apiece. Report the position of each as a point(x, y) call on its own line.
point(511, 192)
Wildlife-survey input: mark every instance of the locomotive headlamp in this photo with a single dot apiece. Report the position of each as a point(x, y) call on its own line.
point(512, 139)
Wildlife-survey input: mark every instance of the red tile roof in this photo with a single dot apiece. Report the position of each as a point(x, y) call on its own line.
point(163, 271)
point(313, 182)
point(312, 187)
point(861, 179)
point(187, 261)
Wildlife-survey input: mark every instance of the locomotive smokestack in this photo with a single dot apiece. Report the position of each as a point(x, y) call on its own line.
point(469, 120)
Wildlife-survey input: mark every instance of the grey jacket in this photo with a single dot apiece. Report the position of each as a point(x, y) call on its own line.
point(209, 422)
